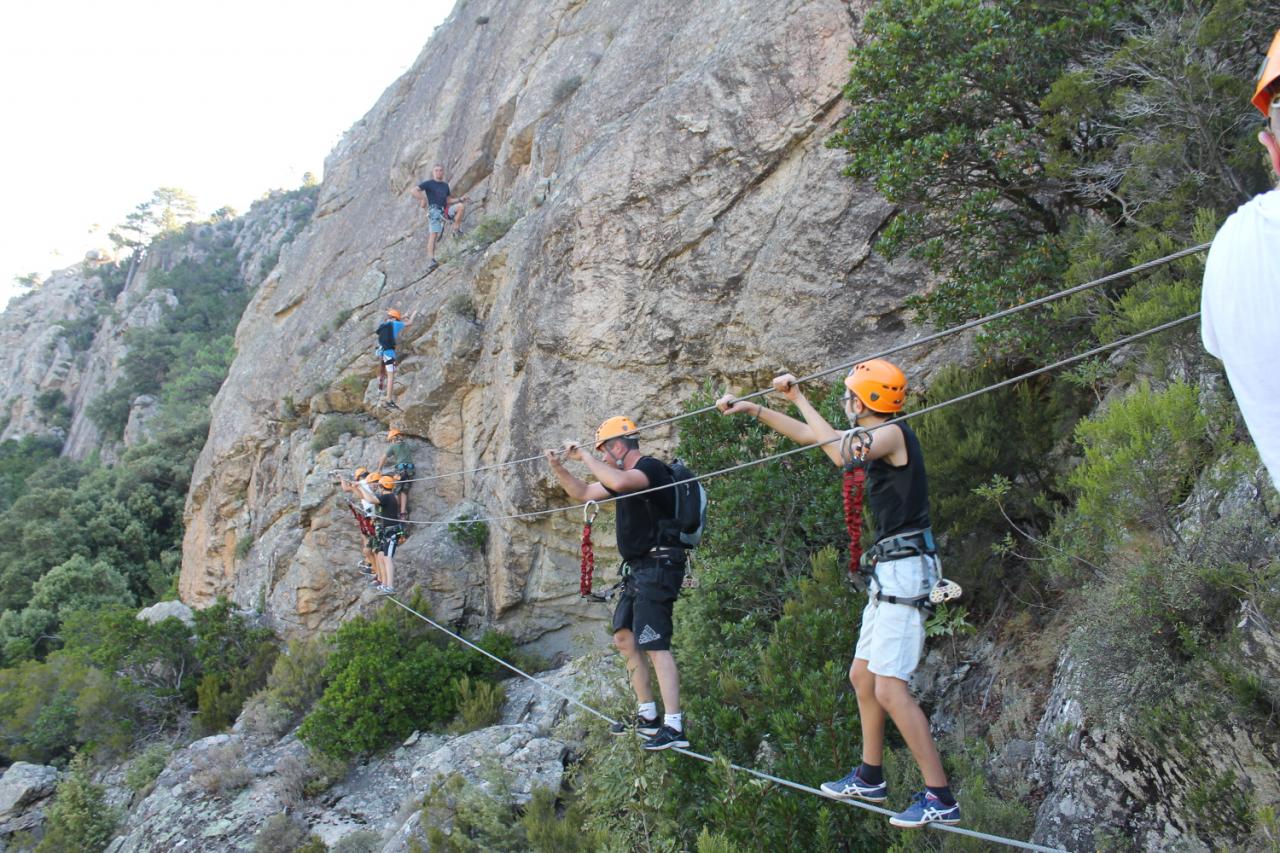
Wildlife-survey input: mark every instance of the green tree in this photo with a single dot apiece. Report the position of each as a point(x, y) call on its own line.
point(79, 818)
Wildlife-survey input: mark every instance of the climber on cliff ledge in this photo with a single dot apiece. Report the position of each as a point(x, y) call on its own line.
point(389, 528)
point(388, 337)
point(903, 569)
point(651, 573)
point(433, 194)
point(401, 457)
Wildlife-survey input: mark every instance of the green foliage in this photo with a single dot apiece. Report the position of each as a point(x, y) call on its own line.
point(243, 546)
point(333, 427)
point(79, 818)
point(168, 209)
point(472, 534)
point(147, 767)
point(295, 683)
point(235, 658)
point(479, 704)
point(53, 406)
point(387, 676)
point(282, 833)
point(463, 305)
point(19, 459)
point(80, 332)
point(490, 229)
point(1141, 455)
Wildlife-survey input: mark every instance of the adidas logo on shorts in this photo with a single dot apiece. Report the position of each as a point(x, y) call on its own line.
point(648, 635)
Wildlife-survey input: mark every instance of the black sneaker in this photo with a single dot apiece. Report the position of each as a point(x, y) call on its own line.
point(666, 738)
point(643, 725)
point(431, 267)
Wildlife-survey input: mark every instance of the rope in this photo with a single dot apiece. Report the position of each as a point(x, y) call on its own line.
point(796, 786)
point(838, 437)
point(854, 481)
point(936, 336)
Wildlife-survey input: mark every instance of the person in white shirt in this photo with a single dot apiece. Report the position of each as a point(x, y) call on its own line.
point(1240, 302)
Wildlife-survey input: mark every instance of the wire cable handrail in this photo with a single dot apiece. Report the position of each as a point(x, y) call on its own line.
point(791, 452)
point(897, 348)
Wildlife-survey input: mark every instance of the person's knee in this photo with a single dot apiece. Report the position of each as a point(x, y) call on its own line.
point(624, 642)
point(863, 681)
point(892, 693)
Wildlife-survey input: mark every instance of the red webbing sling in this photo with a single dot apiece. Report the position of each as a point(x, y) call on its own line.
point(854, 481)
point(588, 555)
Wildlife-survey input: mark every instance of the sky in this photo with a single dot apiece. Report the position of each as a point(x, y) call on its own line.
point(103, 102)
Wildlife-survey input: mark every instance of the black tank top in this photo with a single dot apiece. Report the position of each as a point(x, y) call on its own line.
point(899, 496)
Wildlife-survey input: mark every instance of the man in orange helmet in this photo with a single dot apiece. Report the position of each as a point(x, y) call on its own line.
point(401, 457)
point(1240, 302)
point(652, 574)
point(891, 638)
point(388, 527)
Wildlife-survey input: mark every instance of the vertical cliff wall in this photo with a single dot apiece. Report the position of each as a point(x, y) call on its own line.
point(675, 218)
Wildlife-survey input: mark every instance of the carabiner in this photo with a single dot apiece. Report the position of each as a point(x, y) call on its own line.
point(851, 455)
point(589, 512)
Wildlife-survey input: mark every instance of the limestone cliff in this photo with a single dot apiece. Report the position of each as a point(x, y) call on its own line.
point(67, 338)
point(675, 218)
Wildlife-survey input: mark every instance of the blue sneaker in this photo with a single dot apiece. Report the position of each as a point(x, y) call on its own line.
point(926, 808)
point(852, 787)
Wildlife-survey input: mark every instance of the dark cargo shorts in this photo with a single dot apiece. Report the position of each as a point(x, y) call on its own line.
point(648, 595)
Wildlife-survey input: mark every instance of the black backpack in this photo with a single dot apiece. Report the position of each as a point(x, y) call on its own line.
point(685, 530)
point(386, 336)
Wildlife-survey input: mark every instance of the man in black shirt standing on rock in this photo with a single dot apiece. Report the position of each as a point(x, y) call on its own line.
point(434, 196)
point(652, 573)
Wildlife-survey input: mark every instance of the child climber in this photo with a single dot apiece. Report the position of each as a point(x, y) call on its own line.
point(891, 638)
point(388, 335)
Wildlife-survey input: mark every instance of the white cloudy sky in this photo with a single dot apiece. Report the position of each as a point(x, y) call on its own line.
point(105, 101)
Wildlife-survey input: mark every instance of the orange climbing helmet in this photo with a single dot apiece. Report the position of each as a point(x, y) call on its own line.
point(387, 482)
point(373, 477)
point(394, 314)
point(392, 433)
point(1263, 95)
point(360, 472)
point(879, 384)
point(616, 427)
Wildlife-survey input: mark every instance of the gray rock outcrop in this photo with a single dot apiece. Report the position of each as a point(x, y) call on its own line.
point(217, 793)
point(654, 210)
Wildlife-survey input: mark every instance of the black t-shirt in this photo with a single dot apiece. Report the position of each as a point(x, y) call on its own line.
point(638, 515)
point(389, 509)
point(437, 192)
point(899, 496)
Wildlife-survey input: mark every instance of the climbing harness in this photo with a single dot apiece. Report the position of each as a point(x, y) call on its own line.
point(589, 512)
point(706, 759)
point(365, 523)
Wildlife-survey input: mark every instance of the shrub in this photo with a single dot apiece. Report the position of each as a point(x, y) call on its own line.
point(479, 704)
point(353, 384)
point(282, 833)
point(79, 818)
point(147, 767)
point(360, 841)
point(295, 683)
point(340, 319)
point(489, 229)
point(221, 769)
point(463, 305)
point(471, 534)
point(243, 546)
point(387, 676)
point(235, 658)
point(332, 428)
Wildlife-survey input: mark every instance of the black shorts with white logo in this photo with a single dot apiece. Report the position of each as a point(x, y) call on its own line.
point(648, 596)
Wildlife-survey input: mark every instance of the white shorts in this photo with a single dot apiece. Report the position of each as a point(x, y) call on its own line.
point(892, 635)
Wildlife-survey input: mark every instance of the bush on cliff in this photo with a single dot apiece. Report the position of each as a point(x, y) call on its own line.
point(387, 676)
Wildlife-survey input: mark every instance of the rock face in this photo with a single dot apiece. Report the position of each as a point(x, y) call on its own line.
point(653, 210)
point(69, 335)
point(25, 792)
point(218, 792)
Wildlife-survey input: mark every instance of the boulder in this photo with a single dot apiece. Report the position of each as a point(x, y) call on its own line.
point(24, 784)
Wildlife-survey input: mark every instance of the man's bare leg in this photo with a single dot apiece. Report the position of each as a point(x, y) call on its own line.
point(664, 664)
point(459, 209)
point(637, 666)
